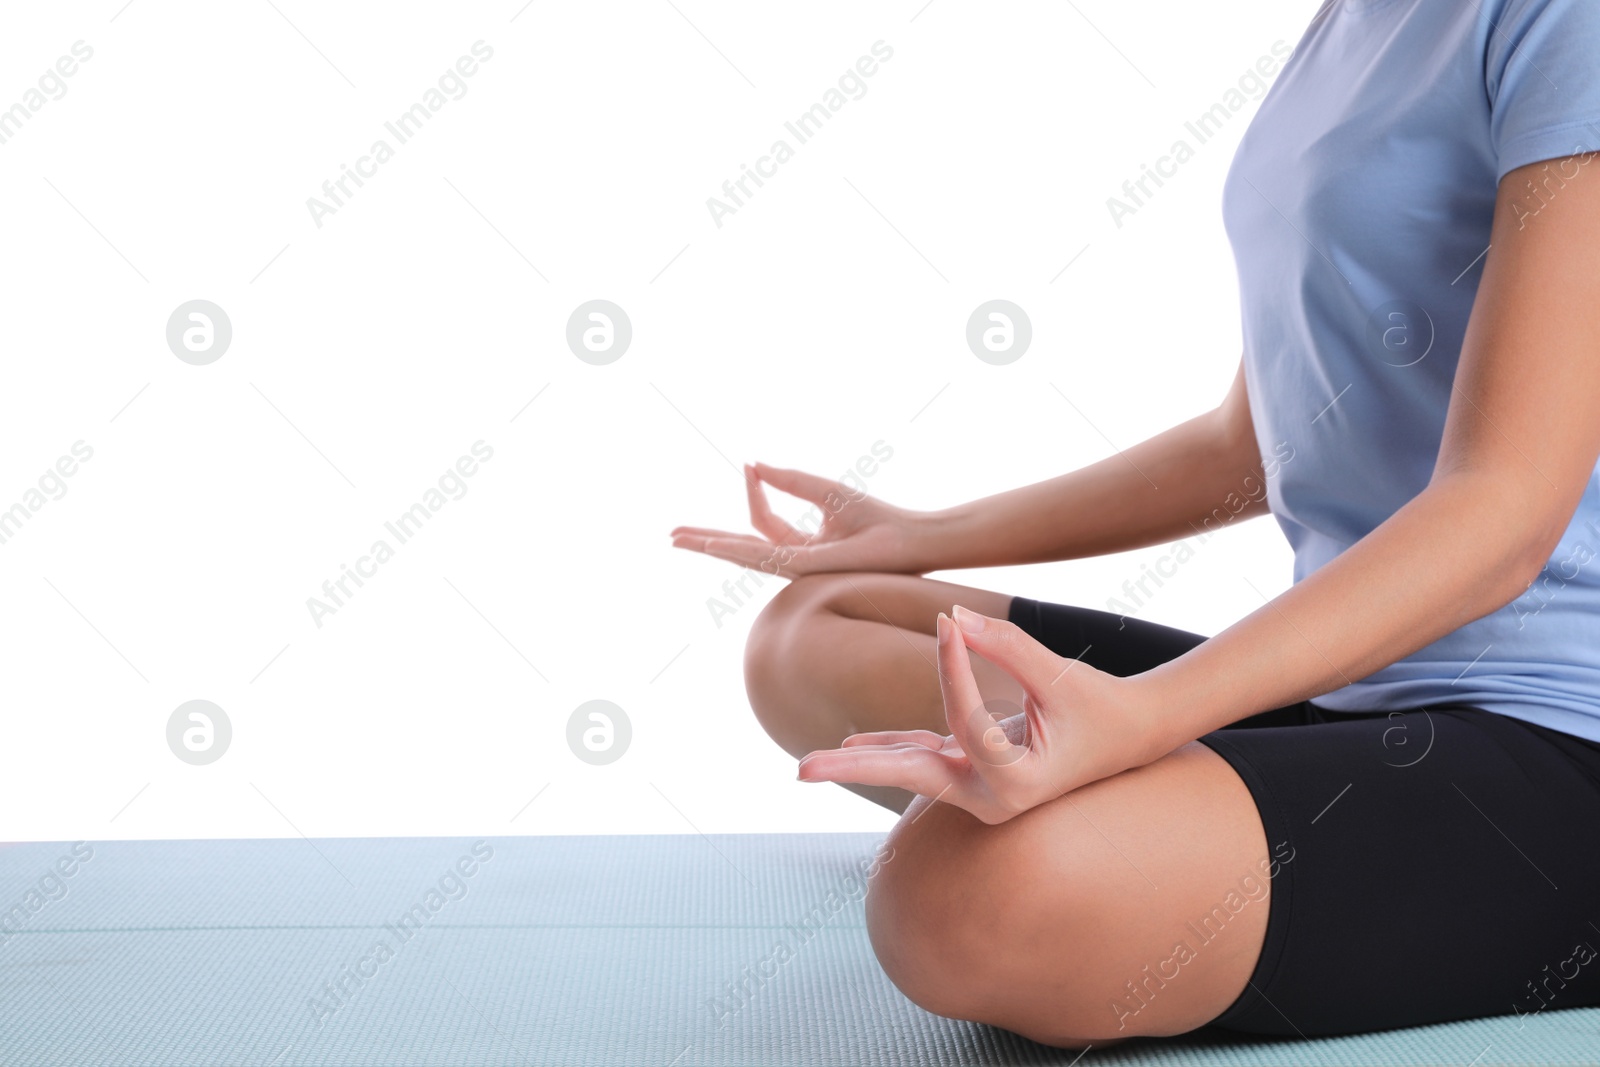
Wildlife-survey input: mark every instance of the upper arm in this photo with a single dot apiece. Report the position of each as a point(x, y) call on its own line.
point(1525, 407)
point(1242, 468)
point(1233, 414)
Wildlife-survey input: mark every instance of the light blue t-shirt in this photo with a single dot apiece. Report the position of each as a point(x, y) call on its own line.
point(1359, 208)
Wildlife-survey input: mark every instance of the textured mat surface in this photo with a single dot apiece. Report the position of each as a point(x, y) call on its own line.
point(655, 951)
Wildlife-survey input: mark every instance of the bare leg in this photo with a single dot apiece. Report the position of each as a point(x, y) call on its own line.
point(1063, 924)
point(1060, 924)
point(838, 654)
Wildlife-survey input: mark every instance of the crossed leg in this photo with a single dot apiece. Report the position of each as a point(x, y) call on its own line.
point(838, 654)
point(1063, 924)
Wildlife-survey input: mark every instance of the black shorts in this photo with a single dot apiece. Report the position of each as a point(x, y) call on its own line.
point(1445, 861)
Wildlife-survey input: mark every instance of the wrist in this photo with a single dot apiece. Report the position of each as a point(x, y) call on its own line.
point(1156, 714)
point(931, 540)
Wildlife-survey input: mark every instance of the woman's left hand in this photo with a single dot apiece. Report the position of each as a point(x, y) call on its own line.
point(1077, 725)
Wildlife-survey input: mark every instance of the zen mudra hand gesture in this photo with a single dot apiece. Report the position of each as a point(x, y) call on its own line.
point(1075, 726)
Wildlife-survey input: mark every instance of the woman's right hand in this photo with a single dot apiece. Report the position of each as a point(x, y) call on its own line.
point(858, 532)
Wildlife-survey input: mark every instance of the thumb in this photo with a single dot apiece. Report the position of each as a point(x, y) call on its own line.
point(1009, 647)
point(972, 720)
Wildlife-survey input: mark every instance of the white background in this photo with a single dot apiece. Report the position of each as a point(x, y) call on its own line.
point(368, 354)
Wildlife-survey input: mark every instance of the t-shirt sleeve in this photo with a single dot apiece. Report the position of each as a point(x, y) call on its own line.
point(1542, 73)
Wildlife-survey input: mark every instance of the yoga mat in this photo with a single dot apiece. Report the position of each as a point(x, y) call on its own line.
point(663, 951)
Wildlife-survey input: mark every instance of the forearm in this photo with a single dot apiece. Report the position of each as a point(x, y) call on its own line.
point(1176, 484)
point(1458, 551)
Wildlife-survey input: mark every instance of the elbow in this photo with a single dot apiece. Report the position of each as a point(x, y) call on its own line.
point(1532, 554)
point(1517, 577)
point(1516, 533)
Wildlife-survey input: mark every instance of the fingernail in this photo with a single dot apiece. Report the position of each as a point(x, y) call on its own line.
point(970, 621)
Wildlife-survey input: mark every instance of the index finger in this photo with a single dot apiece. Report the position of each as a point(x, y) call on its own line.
point(761, 516)
point(804, 485)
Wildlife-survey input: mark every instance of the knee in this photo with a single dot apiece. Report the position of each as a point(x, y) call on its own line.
point(771, 632)
point(930, 914)
point(773, 652)
point(958, 922)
